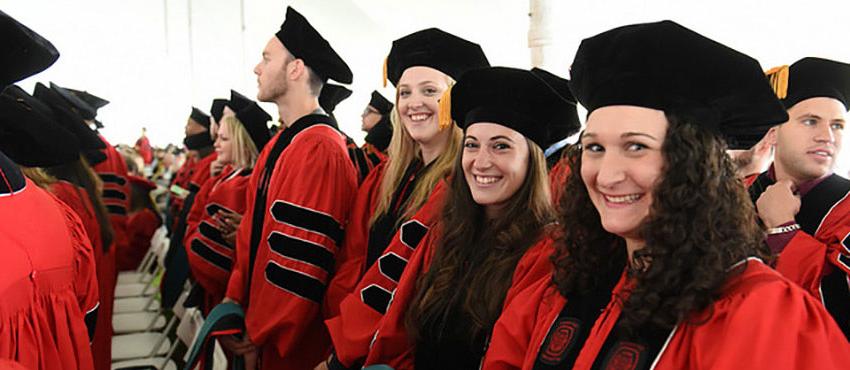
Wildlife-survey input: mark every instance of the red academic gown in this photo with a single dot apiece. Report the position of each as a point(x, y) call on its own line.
point(210, 256)
point(302, 188)
point(353, 322)
point(78, 200)
point(141, 226)
point(116, 193)
point(365, 158)
point(817, 257)
point(47, 278)
point(392, 345)
point(760, 321)
point(143, 146)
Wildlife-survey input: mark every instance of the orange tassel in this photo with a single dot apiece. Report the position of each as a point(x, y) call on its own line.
point(385, 71)
point(445, 106)
point(778, 77)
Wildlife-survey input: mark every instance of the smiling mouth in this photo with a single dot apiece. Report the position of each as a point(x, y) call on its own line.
point(623, 199)
point(821, 153)
point(419, 117)
point(486, 180)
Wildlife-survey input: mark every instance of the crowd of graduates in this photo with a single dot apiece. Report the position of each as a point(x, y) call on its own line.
point(696, 223)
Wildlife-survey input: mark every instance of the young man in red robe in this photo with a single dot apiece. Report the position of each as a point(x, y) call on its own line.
point(299, 197)
point(804, 205)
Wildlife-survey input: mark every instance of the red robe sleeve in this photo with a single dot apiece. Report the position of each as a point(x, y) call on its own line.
point(193, 218)
point(523, 325)
point(767, 323)
point(806, 259)
point(352, 257)
point(116, 192)
point(85, 280)
point(361, 311)
point(210, 256)
point(308, 203)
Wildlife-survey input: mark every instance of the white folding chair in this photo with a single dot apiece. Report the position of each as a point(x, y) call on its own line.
point(187, 332)
point(148, 288)
point(148, 343)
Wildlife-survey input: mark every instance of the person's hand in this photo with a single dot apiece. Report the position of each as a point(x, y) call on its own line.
point(215, 168)
point(238, 346)
point(228, 222)
point(778, 204)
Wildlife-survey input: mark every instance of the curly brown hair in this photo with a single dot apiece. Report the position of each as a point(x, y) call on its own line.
point(701, 222)
point(477, 254)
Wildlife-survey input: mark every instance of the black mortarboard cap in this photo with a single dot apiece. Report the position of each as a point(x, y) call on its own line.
point(331, 96)
point(217, 109)
point(437, 49)
point(562, 129)
point(812, 78)
point(381, 134)
point(305, 43)
point(238, 101)
point(380, 103)
point(94, 101)
point(200, 117)
point(510, 97)
point(668, 67)
point(29, 133)
point(255, 120)
point(23, 52)
point(79, 105)
point(68, 118)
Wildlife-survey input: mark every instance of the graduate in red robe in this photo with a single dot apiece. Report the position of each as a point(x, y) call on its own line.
point(804, 205)
point(48, 281)
point(660, 261)
point(299, 196)
point(143, 146)
point(92, 146)
point(423, 156)
point(142, 223)
point(221, 202)
point(198, 139)
point(491, 232)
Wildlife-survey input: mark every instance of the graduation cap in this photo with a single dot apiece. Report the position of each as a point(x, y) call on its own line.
point(811, 78)
point(305, 43)
point(381, 134)
point(68, 118)
point(23, 52)
point(142, 183)
point(255, 120)
point(78, 105)
point(668, 67)
point(380, 103)
point(29, 133)
point(200, 117)
point(433, 48)
point(561, 129)
point(331, 96)
point(238, 101)
point(92, 100)
point(217, 108)
point(514, 98)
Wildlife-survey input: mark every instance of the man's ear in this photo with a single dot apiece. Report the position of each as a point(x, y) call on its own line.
point(295, 69)
point(769, 140)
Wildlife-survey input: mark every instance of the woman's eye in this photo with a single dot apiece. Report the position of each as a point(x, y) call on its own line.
point(593, 147)
point(403, 93)
point(470, 145)
point(634, 147)
point(430, 91)
point(501, 146)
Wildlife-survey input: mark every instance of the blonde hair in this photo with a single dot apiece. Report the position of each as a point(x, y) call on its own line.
point(403, 150)
point(38, 176)
point(244, 151)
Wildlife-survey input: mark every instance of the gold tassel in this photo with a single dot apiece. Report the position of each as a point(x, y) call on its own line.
point(445, 106)
point(385, 71)
point(778, 77)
